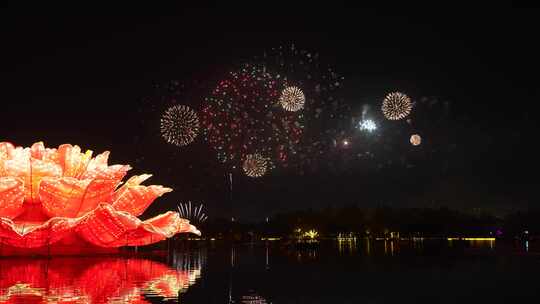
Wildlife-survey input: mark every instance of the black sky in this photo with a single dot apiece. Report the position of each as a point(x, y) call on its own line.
point(79, 78)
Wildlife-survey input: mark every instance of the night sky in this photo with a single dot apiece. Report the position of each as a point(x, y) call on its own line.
point(81, 79)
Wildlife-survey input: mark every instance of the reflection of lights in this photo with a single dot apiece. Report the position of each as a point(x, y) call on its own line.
point(253, 299)
point(120, 280)
point(346, 242)
point(471, 239)
point(367, 125)
point(311, 234)
point(22, 289)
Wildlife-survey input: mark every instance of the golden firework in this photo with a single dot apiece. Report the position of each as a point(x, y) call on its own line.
point(396, 106)
point(292, 99)
point(179, 125)
point(255, 165)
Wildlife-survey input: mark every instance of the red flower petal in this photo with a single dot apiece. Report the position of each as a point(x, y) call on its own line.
point(106, 227)
point(70, 197)
point(38, 150)
point(135, 199)
point(73, 161)
point(6, 149)
point(32, 236)
point(11, 197)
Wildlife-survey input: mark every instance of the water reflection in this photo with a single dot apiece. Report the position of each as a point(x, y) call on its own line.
point(96, 280)
point(252, 298)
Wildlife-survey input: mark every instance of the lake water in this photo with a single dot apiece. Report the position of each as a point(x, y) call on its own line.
point(353, 271)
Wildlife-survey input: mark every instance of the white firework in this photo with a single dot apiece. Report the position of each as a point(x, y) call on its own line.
point(396, 106)
point(192, 213)
point(292, 99)
point(367, 125)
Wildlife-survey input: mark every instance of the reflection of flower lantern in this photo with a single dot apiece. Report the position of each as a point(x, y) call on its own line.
point(416, 139)
point(73, 280)
point(65, 200)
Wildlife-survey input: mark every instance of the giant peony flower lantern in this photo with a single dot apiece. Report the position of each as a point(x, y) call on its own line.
point(68, 202)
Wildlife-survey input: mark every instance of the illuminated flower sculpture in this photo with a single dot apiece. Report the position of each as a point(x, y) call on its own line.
point(65, 201)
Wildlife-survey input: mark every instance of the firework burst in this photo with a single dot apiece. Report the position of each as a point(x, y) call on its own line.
point(192, 212)
point(179, 125)
point(325, 115)
point(367, 125)
point(243, 116)
point(396, 106)
point(255, 165)
point(292, 99)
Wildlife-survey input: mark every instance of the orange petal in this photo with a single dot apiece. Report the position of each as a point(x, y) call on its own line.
point(135, 199)
point(51, 155)
point(98, 191)
point(115, 172)
point(156, 229)
point(19, 166)
point(69, 197)
point(41, 169)
point(132, 181)
point(104, 225)
point(6, 150)
point(11, 197)
point(3, 166)
point(32, 236)
point(97, 163)
point(72, 160)
point(38, 150)
point(31, 171)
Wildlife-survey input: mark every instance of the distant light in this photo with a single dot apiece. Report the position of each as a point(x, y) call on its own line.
point(345, 142)
point(311, 234)
point(367, 125)
point(416, 139)
point(472, 239)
